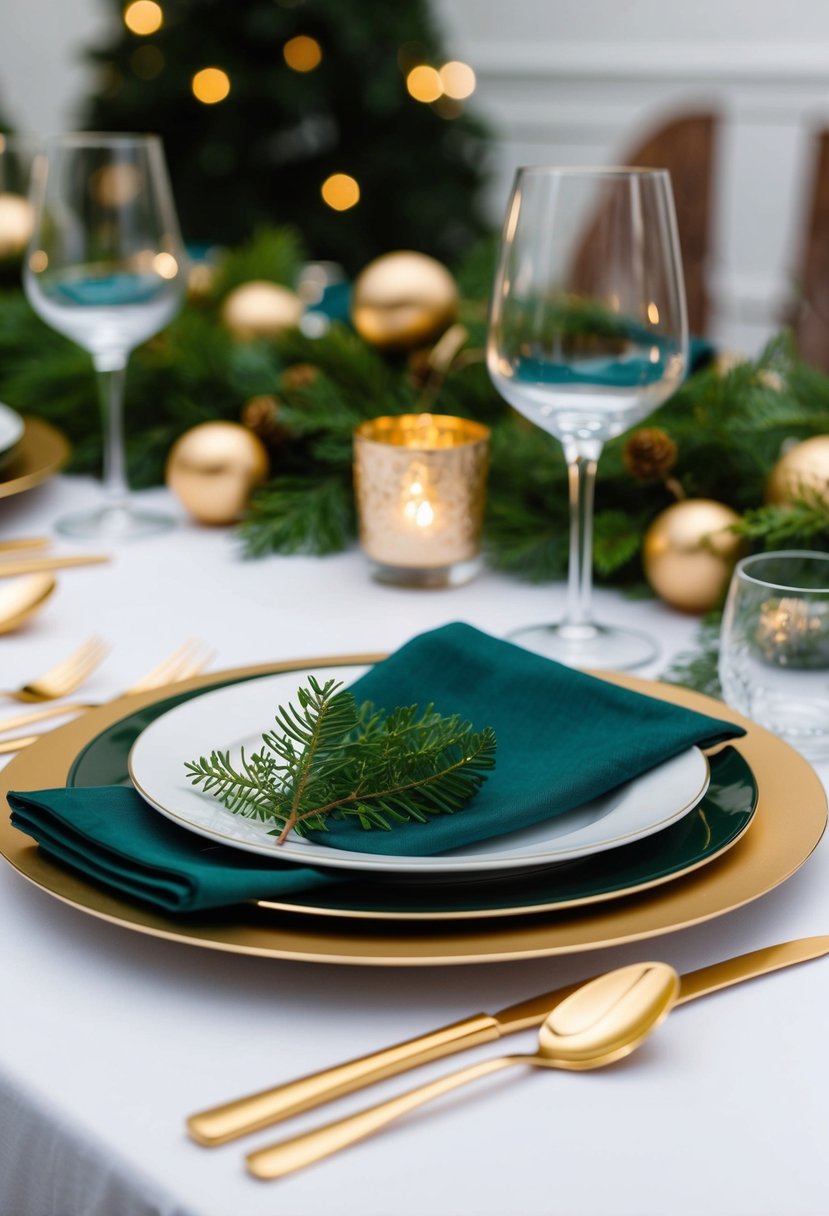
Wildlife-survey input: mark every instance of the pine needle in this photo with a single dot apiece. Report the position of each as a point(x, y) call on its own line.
point(330, 758)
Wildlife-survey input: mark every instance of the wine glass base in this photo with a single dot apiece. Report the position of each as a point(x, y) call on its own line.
point(114, 523)
point(600, 646)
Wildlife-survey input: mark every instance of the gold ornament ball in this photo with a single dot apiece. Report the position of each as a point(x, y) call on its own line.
point(803, 470)
point(688, 554)
point(16, 223)
point(213, 468)
point(403, 300)
point(261, 310)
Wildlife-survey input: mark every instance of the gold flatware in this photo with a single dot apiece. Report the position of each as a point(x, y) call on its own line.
point(248, 1114)
point(14, 745)
point(24, 543)
point(63, 678)
point(188, 660)
point(35, 565)
point(22, 597)
point(603, 1021)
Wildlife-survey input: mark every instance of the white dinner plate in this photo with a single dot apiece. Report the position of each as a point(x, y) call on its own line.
point(231, 718)
point(11, 432)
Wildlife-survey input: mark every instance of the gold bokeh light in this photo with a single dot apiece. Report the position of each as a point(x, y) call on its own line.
point(457, 80)
point(116, 185)
point(302, 53)
point(143, 17)
point(424, 83)
point(340, 191)
point(165, 265)
point(211, 85)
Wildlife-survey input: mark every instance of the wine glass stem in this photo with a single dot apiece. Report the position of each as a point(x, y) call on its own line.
point(111, 374)
point(581, 475)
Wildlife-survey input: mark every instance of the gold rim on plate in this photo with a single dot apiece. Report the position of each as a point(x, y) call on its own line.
point(788, 824)
point(42, 451)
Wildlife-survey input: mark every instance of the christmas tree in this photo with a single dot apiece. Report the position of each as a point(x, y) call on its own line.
point(342, 117)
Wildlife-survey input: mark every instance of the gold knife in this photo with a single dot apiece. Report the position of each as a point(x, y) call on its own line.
point(23, 543)
point(249, 1114)
point(33, 565)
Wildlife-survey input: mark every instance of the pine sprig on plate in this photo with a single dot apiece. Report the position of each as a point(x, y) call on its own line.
point(330, 757)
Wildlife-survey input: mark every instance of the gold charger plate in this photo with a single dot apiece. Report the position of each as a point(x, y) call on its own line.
point(41, 452)
point(788, 824)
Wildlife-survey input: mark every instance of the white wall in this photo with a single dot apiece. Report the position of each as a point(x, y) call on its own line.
point(43, 74)
point(577, 81)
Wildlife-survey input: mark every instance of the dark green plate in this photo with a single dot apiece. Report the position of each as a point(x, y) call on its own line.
point(715, 824)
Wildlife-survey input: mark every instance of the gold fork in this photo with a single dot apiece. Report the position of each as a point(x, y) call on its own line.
point(64, 677)
point(188, 660)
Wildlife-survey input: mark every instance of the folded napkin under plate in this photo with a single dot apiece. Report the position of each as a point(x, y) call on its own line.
point(563, 738)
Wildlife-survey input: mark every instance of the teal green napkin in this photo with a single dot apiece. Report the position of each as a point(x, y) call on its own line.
point(563, 738)
point(111, 835)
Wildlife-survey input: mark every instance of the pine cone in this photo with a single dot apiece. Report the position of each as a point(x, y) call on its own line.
point(261, 415)
point(419, 367)
point(649, 454)
point(299, 375)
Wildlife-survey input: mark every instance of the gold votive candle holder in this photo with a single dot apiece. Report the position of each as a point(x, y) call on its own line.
point(420, 485)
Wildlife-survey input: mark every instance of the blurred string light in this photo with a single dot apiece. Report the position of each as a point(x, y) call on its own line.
point(340, 191)
point(210, 85)
point(443, 88)
point(424, 83)
point(143, 17)
point(457, 80)
point(165, 265)
point(116, 185)
point(302, 53)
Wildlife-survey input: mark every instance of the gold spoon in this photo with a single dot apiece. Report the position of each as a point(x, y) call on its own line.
point(21, 597)
point(599, 1023)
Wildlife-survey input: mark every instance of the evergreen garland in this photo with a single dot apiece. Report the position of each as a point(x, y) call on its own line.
point(729, 426)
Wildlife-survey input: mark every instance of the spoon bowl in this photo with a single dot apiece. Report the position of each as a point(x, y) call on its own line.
point(607, 1019)
point(597, 1024)
point(20, 598)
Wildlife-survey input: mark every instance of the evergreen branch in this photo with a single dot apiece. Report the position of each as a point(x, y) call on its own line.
point(273, 254)
point(698, 669)
point(803, 524)
point(330, 757)
point(299, 515)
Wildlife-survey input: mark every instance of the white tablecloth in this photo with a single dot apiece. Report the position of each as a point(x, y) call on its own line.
point(109, 1038)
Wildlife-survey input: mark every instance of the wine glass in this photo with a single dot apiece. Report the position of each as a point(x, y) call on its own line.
point(106, 267)
point(587, 335)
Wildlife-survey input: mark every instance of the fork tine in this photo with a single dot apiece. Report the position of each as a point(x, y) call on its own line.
point(196, 665)
point(66, 667)
point(158, 674)
point(86, 665)
point(188, 659)
point(67, 675)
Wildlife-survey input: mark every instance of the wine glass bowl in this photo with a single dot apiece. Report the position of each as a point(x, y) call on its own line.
point(106, 267)
point(587, 335)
